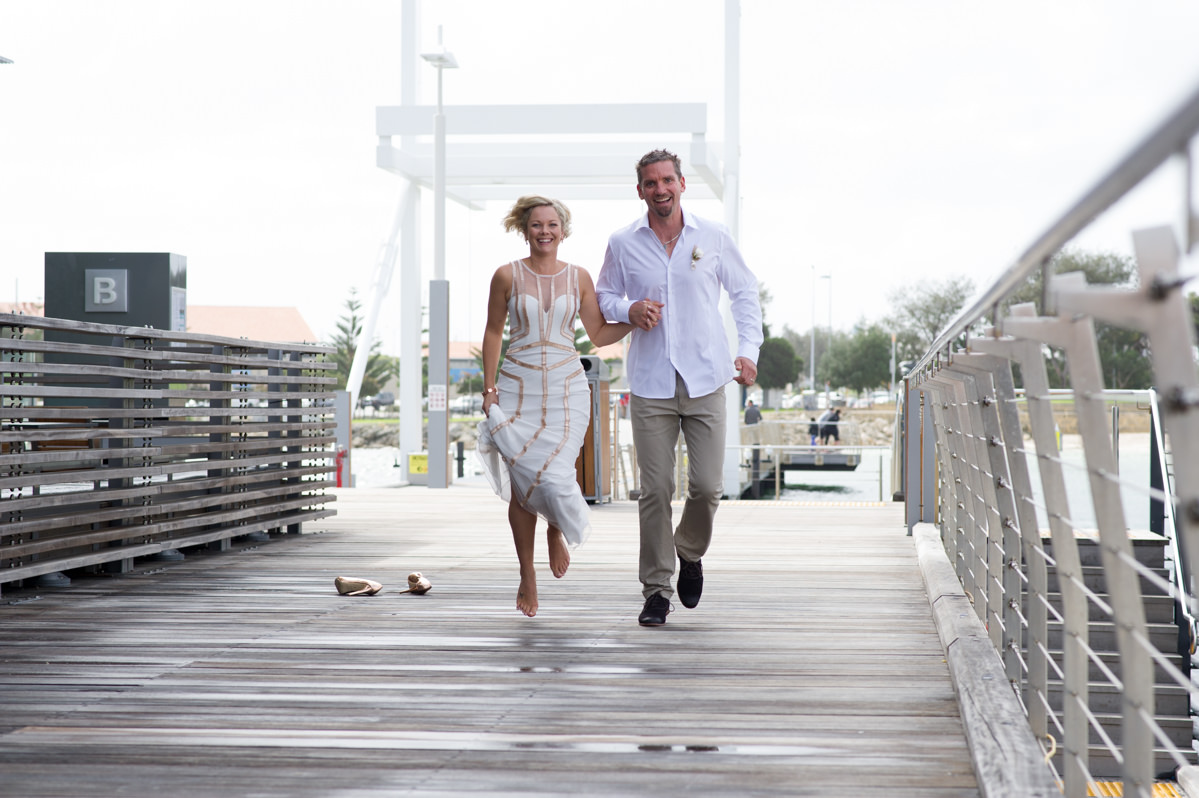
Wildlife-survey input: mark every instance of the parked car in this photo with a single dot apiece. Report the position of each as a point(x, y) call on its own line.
point(378, 401)
point(466, 404)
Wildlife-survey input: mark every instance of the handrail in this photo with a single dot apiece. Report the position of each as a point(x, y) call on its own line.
point(1182, 574)
point(1170, 138)
point(1085, 614)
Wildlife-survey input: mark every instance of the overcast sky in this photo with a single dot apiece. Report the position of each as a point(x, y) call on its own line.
point(883, 143)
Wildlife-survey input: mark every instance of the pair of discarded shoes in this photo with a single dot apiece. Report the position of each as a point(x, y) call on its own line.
point(355, 586)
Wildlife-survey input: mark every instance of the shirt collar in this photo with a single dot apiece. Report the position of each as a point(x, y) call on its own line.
point(688, 220)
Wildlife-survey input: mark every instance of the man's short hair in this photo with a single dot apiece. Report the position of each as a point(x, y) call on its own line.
point(659, 155)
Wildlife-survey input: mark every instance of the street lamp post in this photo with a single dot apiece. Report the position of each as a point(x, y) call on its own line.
point(812, 338)
point(827, 346)
point(439, 293)
point(812, 341)
point(891, 377)
point(829, 277)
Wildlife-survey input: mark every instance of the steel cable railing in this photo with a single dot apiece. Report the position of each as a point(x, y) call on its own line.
point(1090, 608)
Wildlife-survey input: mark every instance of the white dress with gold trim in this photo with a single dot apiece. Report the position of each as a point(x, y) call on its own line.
point(529, 442)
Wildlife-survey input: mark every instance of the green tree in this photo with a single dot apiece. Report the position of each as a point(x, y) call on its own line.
point(859, 361)
point(470, 383)
point(478, 355)
point(802, 344)
point(921, 311)
point(778, 364)
point(1195, 313)
point(379, 368)
point(1123, 353)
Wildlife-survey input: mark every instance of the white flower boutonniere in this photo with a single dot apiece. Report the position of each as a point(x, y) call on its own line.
point(696, 254)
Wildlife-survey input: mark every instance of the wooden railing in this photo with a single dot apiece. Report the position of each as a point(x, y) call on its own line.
point(126, 442)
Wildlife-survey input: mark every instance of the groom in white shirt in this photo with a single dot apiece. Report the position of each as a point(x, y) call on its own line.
point(664, 274)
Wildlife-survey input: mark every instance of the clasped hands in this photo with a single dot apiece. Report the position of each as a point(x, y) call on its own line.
point(646, 314)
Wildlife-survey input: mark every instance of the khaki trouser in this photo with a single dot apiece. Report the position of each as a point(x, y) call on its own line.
point(656, 425)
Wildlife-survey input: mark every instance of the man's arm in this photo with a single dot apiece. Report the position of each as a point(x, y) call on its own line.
point(742, 288)
point(612, 293)
point(609, 288)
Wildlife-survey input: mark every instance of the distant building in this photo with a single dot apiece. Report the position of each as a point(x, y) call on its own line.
point(463, 362)
point(462, 359)
point(256, 323)
point(23, 308)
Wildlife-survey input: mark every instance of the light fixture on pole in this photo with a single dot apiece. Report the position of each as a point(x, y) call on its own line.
point(439, 294)
point(441, 60)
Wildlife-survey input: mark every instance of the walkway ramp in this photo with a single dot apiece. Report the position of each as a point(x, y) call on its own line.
point(811, 667)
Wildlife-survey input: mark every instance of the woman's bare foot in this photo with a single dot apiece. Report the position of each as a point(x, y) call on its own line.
point(559, 554)
point(526, 597)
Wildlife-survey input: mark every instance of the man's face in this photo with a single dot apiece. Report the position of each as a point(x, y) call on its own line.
point(661, 188)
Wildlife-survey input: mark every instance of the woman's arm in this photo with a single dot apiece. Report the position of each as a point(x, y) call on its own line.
point(493, 333)
point(601, 331)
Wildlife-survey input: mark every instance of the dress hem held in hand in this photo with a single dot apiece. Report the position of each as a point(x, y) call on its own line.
point(560, 503)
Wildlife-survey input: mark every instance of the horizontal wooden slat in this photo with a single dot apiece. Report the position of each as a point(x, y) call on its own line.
point(29, 370)
point(180, 513)
point(149, 333)
point(167, 412)
point(83, 499)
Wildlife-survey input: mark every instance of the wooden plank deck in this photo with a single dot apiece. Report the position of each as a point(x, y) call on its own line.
point(811, 667)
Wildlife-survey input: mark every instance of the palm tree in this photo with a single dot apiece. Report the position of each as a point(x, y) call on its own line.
point(379, 367)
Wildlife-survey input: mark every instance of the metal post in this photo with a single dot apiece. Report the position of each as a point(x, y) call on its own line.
point(439, 294)
point(891, 379)
point(732, 216)
point(439, 368)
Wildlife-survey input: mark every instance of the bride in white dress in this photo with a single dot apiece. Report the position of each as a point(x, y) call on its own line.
point(538, 407)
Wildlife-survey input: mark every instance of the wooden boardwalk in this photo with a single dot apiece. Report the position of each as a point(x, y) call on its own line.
point(812, 667)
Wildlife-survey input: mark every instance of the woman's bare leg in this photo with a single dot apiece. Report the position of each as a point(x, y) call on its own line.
point(524, 531)
point(559, 553)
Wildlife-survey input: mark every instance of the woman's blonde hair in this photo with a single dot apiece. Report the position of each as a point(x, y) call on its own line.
point(518, 217)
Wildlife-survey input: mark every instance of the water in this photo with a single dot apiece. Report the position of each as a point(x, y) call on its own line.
point(870, 482)
point(379, 467)
point(1133, 463)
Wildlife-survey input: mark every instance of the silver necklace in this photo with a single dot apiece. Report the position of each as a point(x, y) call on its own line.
point(671, 241)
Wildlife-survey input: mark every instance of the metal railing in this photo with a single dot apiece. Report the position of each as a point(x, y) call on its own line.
point(863, 471)
point(125, 442)
point(1072, 608)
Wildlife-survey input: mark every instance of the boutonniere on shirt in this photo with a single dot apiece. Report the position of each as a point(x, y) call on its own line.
point(696, 254)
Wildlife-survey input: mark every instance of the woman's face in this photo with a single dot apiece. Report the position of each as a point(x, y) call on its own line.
point(544, 232)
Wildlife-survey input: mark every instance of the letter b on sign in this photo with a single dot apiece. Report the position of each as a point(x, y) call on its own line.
point(106, 291)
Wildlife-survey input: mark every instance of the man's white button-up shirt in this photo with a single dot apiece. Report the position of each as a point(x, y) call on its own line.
point(691, 337)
